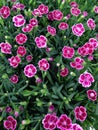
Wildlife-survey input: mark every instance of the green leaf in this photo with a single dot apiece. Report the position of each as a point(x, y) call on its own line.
point(26, 93)
point(96, 109)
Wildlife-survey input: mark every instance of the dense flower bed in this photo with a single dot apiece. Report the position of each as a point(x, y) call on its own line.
point(48, 65)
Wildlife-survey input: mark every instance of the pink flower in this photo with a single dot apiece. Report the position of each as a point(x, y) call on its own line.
point(64, 72)
point(64, 122)
point(21, 51)
point(50, 16)
point(51, 59)
point(18, 6)
point(75, 11)
point(91, 24)
point(6, 48)
point(63, 26)
point(33, 22)
point(68, 16)
point(30, 70)
point(80, 113)
point(29, 58)
point(27, 28)
point(57, 15)
point(38, 80)
point(86, 49)
point(14, 79)
point(8, 109)
point(96, 9)
point(91, 57)
point(14, 61)
point(51, 30)
point(63, 1)
point(36, 12)
point(10, 123)
point(76, 127)
point(41, 41)
point(49, 121)
point(48, 49)
point(43, 9)
point(86, 79)
point(92, 95)
point(73, 4)
point(21, 38)
point(85, 13)
point(5, 12)
point(51, 108)
point(68, 52)
point(16, 113)
point(13, 0)
point(18, 20)
point(93, 42)
point(43, 64)
point(78, 29)
point(77, 64)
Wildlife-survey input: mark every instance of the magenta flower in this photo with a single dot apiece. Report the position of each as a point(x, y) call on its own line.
point(75, 11)
point(51, 108)
point(29, 58)
point(41, 41)
point(68, 16)
point(96, 9)
point(5, 12)
point(16, 113)
point(50, 16)
point(92, 95)
point(78, 29)
point(14, 79)
point(38, 80)
point(13, 0)
point(10, 123)
point(91, 57)
point(43, 64)
point(80, 113)
point(86, 79)
point(51, 30)
point(86, 49)
point(49, 121)
point(21, 51)
point(8, 109)
point(85, 13)
point(21, 38)
point(64, 72)
point(43, 9)
point(14, 61)
point(91, 24)
point(33, 22)
point(57, 15)
point(64, 122)
point(63, 26)
point(6, 48)
point(73, 4)
point(94, 43)
point(76, 127)
point(18, 20)
point(48, 49)
point(68, 52)
point(30, 70)
point(77, 63)
point(36, 12)
point(28, 28)
point(18, 6)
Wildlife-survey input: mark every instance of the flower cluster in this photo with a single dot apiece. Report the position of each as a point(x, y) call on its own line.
point(46, 55)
